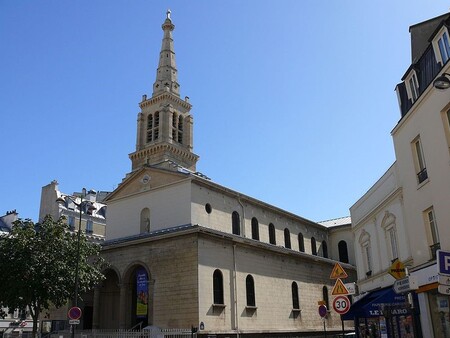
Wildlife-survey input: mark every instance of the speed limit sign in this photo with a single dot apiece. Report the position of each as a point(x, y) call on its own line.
point(341, 304)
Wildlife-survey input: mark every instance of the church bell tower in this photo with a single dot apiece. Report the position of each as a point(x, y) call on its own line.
point(164, 124)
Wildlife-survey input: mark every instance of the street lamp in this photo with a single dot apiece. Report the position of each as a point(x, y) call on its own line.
point(442, 82)
point(88, 208)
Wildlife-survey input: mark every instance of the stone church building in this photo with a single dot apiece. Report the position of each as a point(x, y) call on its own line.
point(185, 251)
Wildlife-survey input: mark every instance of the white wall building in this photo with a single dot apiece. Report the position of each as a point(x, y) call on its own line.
point(407, 212)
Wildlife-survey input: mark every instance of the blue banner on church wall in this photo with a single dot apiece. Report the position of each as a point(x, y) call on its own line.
point(141, 293)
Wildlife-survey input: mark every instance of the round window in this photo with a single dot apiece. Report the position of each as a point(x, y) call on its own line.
point(208, 208)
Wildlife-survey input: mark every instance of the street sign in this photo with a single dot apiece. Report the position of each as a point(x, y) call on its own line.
point(74, 313)
point(397, 270)
point(406, 284)
point(74, 321)
point(444, 289)
point(444, 280)
point(338, 272)
point(341, 304)
point(323, 311)
point(351, 288)
point(339, 288)
point(443, 262)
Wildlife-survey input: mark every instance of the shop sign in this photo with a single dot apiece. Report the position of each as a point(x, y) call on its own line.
point(426, 275)
point(406, 284)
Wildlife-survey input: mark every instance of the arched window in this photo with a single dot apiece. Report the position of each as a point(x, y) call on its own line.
point(388, 224)
point(255, 229)
point(295, 299)
point(145, 220)
point(325, 297)
point(272, 238)
point(343, 252)
point(287, 238)
point(366, 250)
point(174, 126)
point(250, 290)
point(301, 242)
point(324, 249)
point(156, 130)
point(218, 287)
point(236, 223)
point(313, 246)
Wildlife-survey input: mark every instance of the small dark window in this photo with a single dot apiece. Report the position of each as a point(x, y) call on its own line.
point(343, 252)
point(218, 287)
point(301, 242)
point(272, 238)
point(295, 299)
point(313, 246)
point(250, 289)
point(287, 238)
point(208, 208)
point(324, 249)
point(236, 223)
point(255, 229)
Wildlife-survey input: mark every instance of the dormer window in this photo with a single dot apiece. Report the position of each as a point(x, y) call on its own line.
point(412, 86)
point(441, 46)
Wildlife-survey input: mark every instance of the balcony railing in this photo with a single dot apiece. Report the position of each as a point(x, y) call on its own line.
point(422, 175)
point(435, 247)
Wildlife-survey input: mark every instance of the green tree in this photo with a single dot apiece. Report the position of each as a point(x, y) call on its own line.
point(37, 266)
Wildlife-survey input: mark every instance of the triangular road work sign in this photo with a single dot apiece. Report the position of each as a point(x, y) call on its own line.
point(338, 272)
point(339, 288)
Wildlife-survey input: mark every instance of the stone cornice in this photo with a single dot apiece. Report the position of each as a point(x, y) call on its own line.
point(163, 147)
point(165, 97)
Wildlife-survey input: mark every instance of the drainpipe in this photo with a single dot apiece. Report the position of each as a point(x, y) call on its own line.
point(236, 316)
point(243, 216)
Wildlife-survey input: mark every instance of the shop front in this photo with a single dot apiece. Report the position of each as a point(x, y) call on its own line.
point(434, 307)
point(384, 314)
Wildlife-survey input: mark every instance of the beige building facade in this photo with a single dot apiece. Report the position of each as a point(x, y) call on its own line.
point(186, 252)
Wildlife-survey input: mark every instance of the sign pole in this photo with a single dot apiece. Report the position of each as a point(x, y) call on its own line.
point(324, 328)
point(343, 330)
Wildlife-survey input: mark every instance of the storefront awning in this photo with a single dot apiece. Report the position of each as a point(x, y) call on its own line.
point(373, 304)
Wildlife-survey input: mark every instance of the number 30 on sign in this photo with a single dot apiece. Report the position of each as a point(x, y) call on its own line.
point(341, 304)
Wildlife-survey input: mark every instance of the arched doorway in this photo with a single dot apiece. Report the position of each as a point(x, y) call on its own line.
point(139, 296)
point(109, 302)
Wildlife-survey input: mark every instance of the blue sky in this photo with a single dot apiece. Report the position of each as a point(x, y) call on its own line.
point(293, 101)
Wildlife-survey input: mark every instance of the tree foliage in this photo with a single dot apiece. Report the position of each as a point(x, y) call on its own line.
point(37, 266)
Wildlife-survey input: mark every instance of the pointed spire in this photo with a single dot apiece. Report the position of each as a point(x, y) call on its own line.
point(166, 75)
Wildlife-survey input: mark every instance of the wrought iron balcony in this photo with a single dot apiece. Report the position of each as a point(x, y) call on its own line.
point(435, 247)
point(422, 175)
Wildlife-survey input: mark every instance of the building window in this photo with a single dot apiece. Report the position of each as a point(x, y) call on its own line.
point(301, 242)
point(343, 251)
point(145, 220)
point(325, 297)
point(364, 241)
point(295, 298)
point(177, 128)
point(89, 227)
point(388, 224)
point(71, 222)
point(152, 127)
point(272, 238)
point(419, 161)
point(287, 238)
point(255, 229)
point(313, 246)
point(441, 46)
point(324, 249)
point(208, 208)
point(412, 86)
point(218, 287)
point(250, 290)
point(433, 231)
point(236, 223)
